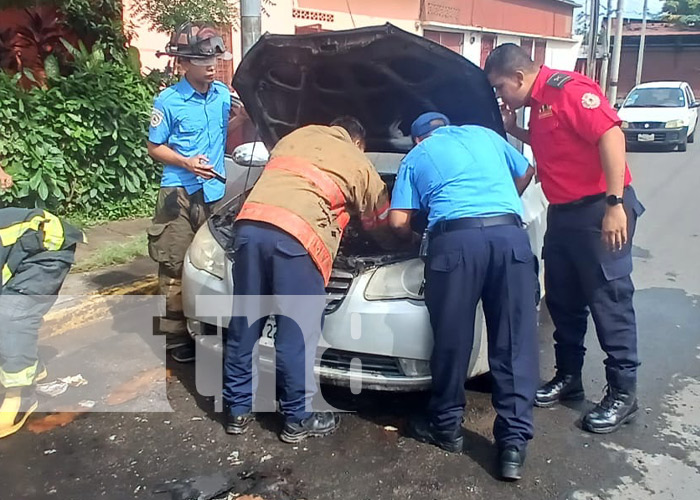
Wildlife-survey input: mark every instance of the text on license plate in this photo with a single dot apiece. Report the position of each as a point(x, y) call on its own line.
point(269, 332)
point(645, 137)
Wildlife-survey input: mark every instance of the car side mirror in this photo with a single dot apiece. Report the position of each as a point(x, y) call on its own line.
point(696, 104)
point(251, 154)
point(617, 105)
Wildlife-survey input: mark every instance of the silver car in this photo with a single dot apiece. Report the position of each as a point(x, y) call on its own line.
point(377, 332)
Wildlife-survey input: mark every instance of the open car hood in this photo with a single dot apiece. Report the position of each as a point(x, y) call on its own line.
point(382, 75)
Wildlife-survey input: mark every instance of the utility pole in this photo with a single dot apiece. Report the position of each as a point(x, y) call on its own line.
point(617, 52)
point(250, 23)
point(642, 40)
point(592, 38)
point(606, 48)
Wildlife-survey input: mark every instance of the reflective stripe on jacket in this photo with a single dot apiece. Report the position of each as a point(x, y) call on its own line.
point(26, 232)
point(315, 180)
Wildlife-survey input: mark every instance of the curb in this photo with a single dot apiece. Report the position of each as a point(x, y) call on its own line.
point(83, 310)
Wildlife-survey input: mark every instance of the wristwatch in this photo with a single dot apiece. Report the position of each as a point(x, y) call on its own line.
point(613, 200)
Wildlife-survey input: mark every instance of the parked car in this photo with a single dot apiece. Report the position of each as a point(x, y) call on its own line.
point(386, 77)
point(660, 113)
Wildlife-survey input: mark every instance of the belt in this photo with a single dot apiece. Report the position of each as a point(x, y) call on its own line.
point(445, 226)
point(582, 202)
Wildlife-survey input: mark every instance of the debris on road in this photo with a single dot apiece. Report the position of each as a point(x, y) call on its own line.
point(52, 389)
point(234, 458)
point(196, 419)
point(59, 386)
point(87, 403)
point(265, 458)
point(391, 428)
point(197, 488)
point(49, 452)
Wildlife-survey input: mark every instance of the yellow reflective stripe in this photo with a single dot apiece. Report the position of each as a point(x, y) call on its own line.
point(21, 378)
point(6, 274)
point(53, 232)
point(10, 235)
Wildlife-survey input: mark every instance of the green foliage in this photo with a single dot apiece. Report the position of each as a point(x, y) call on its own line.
point(77, 146)
point(114, 254)
point(96, 20)
point(166, 15)
point(683, 11)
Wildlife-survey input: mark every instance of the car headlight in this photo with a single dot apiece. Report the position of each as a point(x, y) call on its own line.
point(206, 254)
point(414, 367)
point(624, 125)
point(675, 124)
point(403, 280)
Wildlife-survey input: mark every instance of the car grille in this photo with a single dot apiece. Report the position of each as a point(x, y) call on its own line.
point(336, 290)
point(646, 125)
point(371, 363)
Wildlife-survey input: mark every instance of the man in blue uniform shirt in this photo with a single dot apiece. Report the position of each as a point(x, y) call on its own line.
point(468, 179)
point(187, 134)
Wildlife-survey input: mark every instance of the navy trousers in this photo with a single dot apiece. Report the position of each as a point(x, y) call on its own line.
point(581, 275)
point(270, 262)
point(494, 264)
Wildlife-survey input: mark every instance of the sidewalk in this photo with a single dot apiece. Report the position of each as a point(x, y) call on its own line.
point(82, 296)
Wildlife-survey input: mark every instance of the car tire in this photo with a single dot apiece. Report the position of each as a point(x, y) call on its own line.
point(683, 146)
point(691, 138)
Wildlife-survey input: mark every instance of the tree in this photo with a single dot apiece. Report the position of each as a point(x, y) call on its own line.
point(166, 15)
point(682, 11)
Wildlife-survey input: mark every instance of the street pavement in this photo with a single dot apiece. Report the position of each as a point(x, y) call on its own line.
point(130, 443)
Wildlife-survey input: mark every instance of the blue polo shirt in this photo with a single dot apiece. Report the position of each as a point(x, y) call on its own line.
point(465, 171)
point(191, 123)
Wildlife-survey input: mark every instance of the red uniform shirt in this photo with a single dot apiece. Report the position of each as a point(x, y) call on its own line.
point(569, 114)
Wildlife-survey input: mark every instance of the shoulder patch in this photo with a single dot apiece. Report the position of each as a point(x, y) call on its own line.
point(156, 117)
point(558, 80)
point(590, 100)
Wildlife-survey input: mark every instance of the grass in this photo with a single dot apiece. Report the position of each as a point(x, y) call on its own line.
point(115, 254)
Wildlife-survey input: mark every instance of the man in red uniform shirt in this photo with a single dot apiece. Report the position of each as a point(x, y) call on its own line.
point(579, 149)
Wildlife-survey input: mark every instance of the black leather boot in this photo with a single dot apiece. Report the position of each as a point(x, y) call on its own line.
point(560, 388)
point(319, 424)
point(237, 424)
point(616, 409)
point(510, 463)
point(422, 429)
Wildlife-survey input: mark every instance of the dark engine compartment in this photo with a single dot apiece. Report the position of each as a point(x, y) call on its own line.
point(358, 249)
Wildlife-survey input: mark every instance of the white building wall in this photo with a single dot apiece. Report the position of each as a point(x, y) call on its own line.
point(501, 39)
point(472, 50)
point(561, 55)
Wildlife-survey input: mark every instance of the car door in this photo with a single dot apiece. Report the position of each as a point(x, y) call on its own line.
point(692, 111)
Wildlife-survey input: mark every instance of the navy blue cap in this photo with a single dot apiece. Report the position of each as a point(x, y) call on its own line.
point(422, 127)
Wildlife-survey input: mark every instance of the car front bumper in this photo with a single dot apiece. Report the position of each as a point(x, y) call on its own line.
point(381, 334)
point(661, 136)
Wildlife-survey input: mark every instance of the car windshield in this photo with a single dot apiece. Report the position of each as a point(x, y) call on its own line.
point(655, 98)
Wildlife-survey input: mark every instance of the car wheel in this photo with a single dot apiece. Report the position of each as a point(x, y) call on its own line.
point(691, 138)
point(683, 146)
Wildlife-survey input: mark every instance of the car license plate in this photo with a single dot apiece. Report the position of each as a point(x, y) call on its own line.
point(269, 332)
point(645, 137)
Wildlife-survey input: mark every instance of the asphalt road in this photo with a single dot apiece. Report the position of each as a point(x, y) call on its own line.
point(133, 444)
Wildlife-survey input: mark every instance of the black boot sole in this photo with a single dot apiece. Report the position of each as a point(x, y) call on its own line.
point(236, 431)
point(609, 430)
point(574, 396)
point(511, 472)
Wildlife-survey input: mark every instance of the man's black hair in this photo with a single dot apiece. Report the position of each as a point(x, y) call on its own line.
point(508, 58)
point(352, 125)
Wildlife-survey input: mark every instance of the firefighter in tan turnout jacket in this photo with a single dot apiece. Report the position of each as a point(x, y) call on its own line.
point(288, 234)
